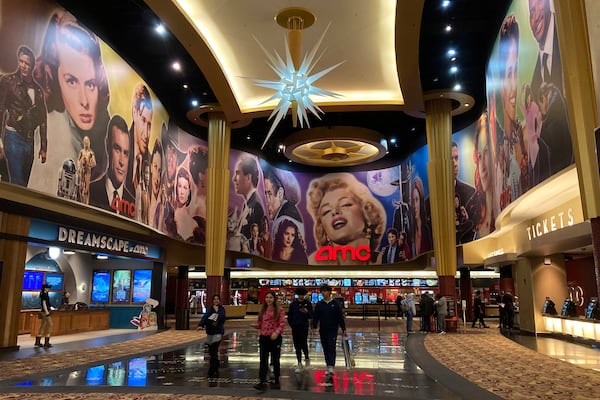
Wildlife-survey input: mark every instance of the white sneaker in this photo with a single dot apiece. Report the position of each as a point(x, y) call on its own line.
point(442, 332)
point(299, 368)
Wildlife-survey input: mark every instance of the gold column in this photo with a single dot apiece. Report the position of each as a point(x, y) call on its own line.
point(573, 40)
point(438, 119)
point(571, 26)
point(12, 254)
point(217, 199)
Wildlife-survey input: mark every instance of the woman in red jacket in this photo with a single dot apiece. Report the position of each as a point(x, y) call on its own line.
point(271, 322)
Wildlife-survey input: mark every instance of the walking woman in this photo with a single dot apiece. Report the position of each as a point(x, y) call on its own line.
point(271, 322)
point(46, 325)
point(214, 323)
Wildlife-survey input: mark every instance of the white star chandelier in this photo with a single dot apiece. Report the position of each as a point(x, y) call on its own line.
point(295, 84)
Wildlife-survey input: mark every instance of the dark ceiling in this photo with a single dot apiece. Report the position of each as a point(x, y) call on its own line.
point(127, 26)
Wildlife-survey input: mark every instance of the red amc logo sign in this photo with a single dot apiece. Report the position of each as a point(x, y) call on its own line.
point(330, 253)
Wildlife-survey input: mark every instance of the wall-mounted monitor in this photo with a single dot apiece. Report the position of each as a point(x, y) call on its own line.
point(121, 286)
point(100, 287)
point(33, 280)
point(55, 280)
point(589, 311)
point(142, 283)
point(243, 262)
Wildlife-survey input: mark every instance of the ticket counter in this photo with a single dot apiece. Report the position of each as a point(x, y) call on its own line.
point(66, 322)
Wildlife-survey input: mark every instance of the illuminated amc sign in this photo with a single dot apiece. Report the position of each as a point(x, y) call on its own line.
point(550, 224)
point(332, 253)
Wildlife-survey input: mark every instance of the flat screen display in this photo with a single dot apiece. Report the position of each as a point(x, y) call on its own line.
point(55, 280)
point(95, 376)
point(100, 287)
point(137, 372)
point(121, 286)
point(590, 309)
point(565, 308)
point(142, 283)
point(33, 280)
point(358, 298)
point(243, 262)
point(116, 374)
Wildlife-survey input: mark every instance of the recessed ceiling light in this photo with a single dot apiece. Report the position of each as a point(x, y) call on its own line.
point(453, 59)
point(448, 28)
point(453, 69)
point(446, 3)
point(185, 86)
point(457, 86)
point(160, 29)
point(393, 140)
point(451, 52)
point(195, 103)
point(248, 137)
point(467, 105)
point(176, 66)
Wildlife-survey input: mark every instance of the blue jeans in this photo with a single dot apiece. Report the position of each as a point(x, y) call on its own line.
point(19, 156)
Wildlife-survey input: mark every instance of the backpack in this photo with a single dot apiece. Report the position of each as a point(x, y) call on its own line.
point(404, 306)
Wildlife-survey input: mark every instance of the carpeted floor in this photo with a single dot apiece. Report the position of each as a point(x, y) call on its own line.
point(510, 370)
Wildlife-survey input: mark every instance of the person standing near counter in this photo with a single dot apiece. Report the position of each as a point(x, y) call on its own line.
point(299, 314)
point(214, 323)
point(328, 316)
point(46, 325)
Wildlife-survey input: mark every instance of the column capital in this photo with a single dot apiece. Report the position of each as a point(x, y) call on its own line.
point(201, 116)
point(461, 102)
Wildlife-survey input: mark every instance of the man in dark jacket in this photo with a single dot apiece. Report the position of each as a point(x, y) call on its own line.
point(299, 313)
point(328, 316)
point(427, 309)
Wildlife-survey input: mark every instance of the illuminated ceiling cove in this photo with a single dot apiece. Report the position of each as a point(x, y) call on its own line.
point(362, 33)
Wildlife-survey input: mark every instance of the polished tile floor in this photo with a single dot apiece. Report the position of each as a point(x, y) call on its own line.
point(382, 369)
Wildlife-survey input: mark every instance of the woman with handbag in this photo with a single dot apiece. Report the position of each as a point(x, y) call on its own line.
point(214, 323)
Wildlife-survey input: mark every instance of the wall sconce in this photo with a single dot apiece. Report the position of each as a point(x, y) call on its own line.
point(547, 261)
point(54, 252)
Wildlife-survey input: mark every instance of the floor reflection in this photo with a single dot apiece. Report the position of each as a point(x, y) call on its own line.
point(382, 369)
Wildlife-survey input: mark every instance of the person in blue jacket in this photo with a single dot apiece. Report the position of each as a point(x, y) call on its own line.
point(328, 316)
point(214, 323)
point(299, 314)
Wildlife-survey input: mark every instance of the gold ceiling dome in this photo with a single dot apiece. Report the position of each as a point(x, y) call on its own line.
point(335, 146)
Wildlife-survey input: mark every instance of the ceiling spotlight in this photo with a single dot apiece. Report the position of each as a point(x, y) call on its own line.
point(451, 52)
point(448, 28)
point(185, 86)
point(194, 103)
point(453, 59)
point(176, 66)
point(446, 3)
point(393, 140)
point(248, 137)
point(453, 69)
point(160, 29)
point(457, 86)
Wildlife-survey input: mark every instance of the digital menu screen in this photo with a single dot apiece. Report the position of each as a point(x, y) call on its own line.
point(116, 374)
point(33, 280)
point(55, 280)
point(121, 286)
point(100, 287)
point(142, 283)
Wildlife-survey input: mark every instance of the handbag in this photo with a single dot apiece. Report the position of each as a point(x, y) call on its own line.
point(214, 338)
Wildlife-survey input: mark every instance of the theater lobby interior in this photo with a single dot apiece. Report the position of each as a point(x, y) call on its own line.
point(435, 51)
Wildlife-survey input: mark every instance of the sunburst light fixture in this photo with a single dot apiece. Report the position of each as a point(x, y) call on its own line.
point(295, 84)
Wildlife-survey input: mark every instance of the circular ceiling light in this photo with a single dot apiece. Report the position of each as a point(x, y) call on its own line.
point(335, 146)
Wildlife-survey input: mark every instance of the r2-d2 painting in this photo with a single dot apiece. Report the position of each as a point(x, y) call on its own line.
point(68, 180)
